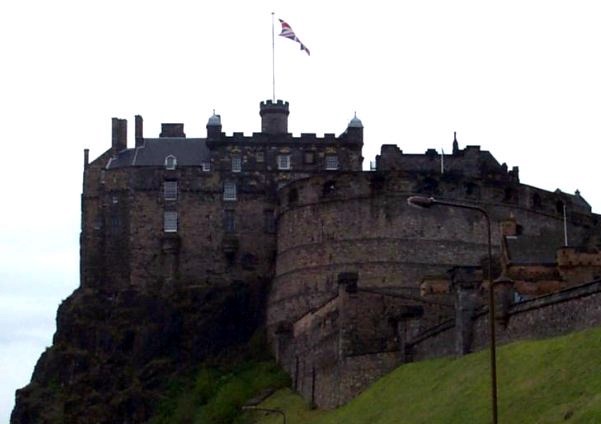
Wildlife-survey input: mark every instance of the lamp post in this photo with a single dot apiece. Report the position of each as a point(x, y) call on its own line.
point(427, 202)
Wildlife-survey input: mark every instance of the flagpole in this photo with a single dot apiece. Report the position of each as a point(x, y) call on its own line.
point(273, 57)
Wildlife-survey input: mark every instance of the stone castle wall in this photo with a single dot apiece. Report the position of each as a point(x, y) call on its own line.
point(573, 309)
point(359, 222)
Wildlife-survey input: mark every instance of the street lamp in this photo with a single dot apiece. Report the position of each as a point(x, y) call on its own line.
point(427, 202)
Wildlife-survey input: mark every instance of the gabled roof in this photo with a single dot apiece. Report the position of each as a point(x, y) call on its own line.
point(187, 151)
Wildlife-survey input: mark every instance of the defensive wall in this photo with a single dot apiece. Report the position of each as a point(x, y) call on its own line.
point(340, 347)
point(360, 222)
point(334, 343)
point(572, 309)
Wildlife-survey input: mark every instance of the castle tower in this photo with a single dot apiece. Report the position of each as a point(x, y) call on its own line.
point(274, 117)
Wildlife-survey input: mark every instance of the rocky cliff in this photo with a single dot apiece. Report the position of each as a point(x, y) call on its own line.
point(114, 352)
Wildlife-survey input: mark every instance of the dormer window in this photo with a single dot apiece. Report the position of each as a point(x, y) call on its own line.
point(236, 163)
point(170, 162)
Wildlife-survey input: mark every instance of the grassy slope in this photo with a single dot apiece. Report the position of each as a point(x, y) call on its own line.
point(545, 381)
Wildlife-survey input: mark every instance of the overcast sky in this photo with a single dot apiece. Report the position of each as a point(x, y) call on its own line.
point(520, 78)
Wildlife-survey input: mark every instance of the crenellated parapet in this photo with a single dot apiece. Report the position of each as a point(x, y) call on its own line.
point(469, 162)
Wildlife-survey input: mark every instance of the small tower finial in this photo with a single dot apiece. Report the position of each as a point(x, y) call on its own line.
point(455, 143)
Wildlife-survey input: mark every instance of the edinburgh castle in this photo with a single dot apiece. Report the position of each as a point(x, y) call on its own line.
point(190, 245)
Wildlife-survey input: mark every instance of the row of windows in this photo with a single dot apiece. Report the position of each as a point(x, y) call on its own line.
point(283, 162)
point(170, 190)
point(170, 221)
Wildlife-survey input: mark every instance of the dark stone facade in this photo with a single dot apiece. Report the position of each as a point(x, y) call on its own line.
point(188, 245)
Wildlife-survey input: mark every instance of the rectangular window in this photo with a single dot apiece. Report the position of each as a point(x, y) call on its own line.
point(284, 162)
point(331, 162)
point(170, 222)
point(309, 157)
point(206, 167)
point(170, 190)
point(229, 221)
point(269, 221)
point(236, 164)
point(260, 157)
point(229, 190)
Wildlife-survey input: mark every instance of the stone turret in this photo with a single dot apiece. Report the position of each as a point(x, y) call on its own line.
point(354, 131)
point(274, 117)
point(214, 127)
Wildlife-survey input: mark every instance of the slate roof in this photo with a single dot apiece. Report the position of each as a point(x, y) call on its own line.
point(187, 151)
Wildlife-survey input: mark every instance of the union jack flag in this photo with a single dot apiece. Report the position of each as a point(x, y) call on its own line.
point(288, 33)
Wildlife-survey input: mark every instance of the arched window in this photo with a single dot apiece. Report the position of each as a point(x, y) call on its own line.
point(170, 162)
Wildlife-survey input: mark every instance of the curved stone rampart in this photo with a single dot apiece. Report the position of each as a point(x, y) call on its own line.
point(361, 222)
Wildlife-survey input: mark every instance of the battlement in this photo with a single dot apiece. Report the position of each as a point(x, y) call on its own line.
point(470, 162)
point(279, 104)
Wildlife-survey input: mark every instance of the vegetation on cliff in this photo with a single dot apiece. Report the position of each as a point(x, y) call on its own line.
point(544, 381)
point(215, 394)
point(115, 353)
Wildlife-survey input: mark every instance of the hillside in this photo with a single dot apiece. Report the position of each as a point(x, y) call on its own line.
point(544, 381)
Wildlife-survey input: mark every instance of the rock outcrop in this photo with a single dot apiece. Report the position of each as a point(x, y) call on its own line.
point(114, 353)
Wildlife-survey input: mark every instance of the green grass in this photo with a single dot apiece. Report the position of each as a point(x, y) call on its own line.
point(215, 394)
point(546, 381)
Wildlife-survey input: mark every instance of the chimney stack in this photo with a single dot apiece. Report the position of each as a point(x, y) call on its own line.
point(139, 131)
point(119, 135)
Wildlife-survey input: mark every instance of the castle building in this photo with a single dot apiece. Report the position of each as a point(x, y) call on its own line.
point(176, 210)
point(298, 217)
